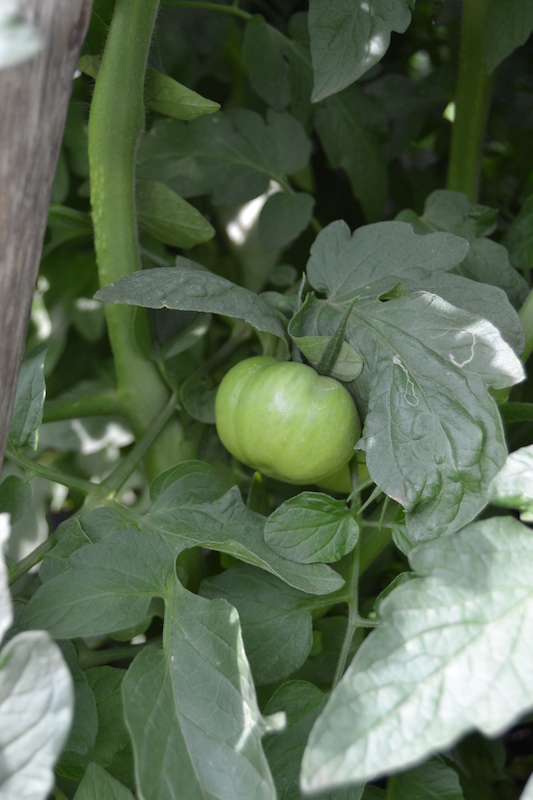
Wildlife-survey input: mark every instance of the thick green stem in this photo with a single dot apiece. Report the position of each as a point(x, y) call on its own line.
point(115, 124)
point(472, 101)
point(31, 560)
point(96, 658)
point(526, 318)
point(51, 474)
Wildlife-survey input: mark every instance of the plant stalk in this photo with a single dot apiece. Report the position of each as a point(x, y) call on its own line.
point(472, 102)
point(353, 617)
point(115, 123)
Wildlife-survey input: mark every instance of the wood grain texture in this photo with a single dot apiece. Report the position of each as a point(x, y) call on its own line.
point(34, 97)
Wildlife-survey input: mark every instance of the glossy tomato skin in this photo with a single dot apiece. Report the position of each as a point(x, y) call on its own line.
point(285, 420)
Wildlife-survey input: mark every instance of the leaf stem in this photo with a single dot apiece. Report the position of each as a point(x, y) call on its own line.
point(353, 617)
point(517, 412)
point(233, 10)
point(51, 474)
point(472, 102)
point(31, 560)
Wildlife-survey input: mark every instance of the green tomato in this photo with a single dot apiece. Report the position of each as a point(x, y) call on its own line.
point(285, 420)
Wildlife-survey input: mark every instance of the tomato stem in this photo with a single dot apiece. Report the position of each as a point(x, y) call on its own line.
point(472, 102)
point(353, 621)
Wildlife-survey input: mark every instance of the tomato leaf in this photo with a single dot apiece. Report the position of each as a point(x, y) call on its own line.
point(99, 783)
point(182, 734)
point(513, 485)
point(506, 28)
point(283, 218)
point(29, 401)
point(275, 619)
point(170, 98)
point(231, 155)
point(348, 38)
point(15, 497)
point(170, 218)
point(400, 699)
point(312, 527)
point(189, 287)
point(302, 703)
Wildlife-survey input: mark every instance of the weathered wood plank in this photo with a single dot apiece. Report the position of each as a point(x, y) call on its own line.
point(34, 97)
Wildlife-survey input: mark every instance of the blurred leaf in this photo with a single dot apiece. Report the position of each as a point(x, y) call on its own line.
point(513, 485)
point(352, 146)
point(302, 703)
point(518, 238)
point(231, 155)
point(85, 724)
point(15, 497)
point(185, 736)
point(283, 218)
point(507, 27)
point(434, 780)
point(426, 676)
point(312, 527)
point(64, 225)
point(19, 40)
point(29, 401)
point(169, 218)
point(97, 784)
point(348, 38)
point(197, 395)
point(168, 97)
point(275, 619)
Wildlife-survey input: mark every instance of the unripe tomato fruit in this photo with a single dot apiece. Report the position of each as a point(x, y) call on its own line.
point(285, 420)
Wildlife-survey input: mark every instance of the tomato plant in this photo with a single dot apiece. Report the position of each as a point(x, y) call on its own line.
point(280, 230)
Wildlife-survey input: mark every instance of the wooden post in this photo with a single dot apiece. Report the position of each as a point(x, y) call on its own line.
point(34, 97)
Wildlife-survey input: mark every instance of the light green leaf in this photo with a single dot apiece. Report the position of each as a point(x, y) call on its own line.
point(312, 527)
point(507, 26)
point(513, 485)
point(19, 40)
point(166, 96)
point(283, 218)
point(189, 287)
point(426, 676)
point(36, 713)
point(29, 401)
point(170, 218)
point(97, 784)
point(348, 37)
point(192, 711)
point(275, 619)
point(302, 703)
point(15, 497)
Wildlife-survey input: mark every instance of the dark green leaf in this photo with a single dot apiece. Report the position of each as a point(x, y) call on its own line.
point(426, 676)
point(518, 237)
point(283, 218)
point(65, 225)
point(195, 740)
point(349, 144)
point(85, 725)
point(97, 784)
point(302, 703)
point(312, 527)
point(29, 401)
point(231, 156)
point(348, 38)
point(507, 26)
point(275, 619)
point(265, 58)
point(166, 96)
point(170, 218)
point(15, 497)
point(198, 398)
point(189, 287)
point(107, 588)
point(432, 781)
point(329, 634)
